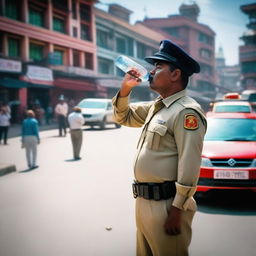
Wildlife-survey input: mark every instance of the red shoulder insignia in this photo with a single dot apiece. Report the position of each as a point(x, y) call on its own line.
point(190, 122)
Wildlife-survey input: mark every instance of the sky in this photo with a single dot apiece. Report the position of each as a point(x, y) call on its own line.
point(224, 17)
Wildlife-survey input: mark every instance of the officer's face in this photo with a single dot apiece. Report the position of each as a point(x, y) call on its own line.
point(161, 77)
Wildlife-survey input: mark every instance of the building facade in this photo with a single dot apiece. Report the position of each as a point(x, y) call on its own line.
point(116, 36)
point(228, 77)
point(195, 38)
point(48, 48)
point(247, 52)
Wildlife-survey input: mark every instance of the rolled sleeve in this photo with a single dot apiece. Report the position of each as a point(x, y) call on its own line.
point(183, 196)
point(189, 146)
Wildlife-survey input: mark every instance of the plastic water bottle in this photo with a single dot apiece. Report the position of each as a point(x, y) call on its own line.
point(126, 64)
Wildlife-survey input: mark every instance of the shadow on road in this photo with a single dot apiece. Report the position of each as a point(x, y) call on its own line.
point(230, 202)
point(28, 170)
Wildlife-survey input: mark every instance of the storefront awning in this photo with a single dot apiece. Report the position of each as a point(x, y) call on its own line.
point(76, 85)
point(12, 83)
point(32, 85)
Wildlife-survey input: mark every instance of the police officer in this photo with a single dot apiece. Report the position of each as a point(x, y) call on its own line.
point(168, 153)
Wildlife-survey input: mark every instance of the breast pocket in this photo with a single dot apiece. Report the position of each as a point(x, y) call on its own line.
point(154, 134)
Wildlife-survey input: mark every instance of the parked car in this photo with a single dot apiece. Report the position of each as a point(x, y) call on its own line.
point(229, 152)
point(250, 96)
point(232, 106)
point(97, 112)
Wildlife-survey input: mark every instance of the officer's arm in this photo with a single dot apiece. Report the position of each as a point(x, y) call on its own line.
point(189, 133)
point(132, 116)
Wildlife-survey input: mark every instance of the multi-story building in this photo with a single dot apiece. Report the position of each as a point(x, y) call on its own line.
point(116, 36)
point(48, 48)
point(197, 39)
point(228, 77)
point(247, 52)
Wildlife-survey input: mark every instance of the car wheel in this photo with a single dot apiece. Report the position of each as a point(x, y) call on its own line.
point(103, 124)
point(117, 125)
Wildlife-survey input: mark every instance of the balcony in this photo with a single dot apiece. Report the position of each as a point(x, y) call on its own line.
point(247, 53)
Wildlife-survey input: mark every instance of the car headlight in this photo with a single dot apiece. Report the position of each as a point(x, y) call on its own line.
point(206, 162)
point(253, 163)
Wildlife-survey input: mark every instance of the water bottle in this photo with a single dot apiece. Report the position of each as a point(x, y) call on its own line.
point(126, 64)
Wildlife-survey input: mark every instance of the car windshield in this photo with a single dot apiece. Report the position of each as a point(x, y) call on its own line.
point(233, 108)
point(231, 129)
point(93, 104)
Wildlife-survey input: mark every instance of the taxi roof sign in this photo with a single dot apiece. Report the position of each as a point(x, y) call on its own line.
point(232, 96)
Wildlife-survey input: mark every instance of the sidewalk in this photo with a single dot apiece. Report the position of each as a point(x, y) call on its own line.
point(15, 129)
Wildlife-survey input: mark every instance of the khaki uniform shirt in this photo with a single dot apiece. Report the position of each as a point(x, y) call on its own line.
point(169, 148)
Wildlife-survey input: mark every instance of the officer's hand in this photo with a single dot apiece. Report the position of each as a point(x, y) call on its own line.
point(130, 80)
point(172, 224)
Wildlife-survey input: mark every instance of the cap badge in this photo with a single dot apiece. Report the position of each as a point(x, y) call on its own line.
point(190, 122)
point(161, 47)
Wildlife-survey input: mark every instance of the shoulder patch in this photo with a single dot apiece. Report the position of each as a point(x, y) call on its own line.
point(190, 122)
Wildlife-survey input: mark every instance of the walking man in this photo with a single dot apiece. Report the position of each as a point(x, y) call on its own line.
point(61, 110)
point(168, 155)
point(76, 121)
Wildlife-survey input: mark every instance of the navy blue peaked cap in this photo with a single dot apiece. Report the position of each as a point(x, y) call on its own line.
point(170, 52)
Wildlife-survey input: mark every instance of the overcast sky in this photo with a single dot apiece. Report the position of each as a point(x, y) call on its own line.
point(222, 16)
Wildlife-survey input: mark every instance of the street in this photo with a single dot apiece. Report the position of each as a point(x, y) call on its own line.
point(86, 207)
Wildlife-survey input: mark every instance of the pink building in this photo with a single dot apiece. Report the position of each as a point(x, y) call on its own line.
point(195, 38)
point(247, 52)
point(47, 48)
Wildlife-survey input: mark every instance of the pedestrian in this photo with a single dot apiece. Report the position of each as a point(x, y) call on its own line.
point(30, 138)
point(4, 124)
point(76, 121)
point(39, 112)
point(48, 114)
point(168, 153)
point(61, 110)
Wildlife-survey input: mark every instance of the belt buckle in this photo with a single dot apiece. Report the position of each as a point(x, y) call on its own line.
point(134, 190)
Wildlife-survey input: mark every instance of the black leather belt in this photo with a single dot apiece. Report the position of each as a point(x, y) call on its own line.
point(154, 191)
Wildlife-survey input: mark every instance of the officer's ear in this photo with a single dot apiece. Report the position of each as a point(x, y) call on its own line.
point(175, 75)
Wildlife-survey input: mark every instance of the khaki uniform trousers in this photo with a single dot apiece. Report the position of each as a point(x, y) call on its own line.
point(76, 138)
point(151, 237)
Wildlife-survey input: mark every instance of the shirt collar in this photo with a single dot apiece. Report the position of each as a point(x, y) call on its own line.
point(171, 99)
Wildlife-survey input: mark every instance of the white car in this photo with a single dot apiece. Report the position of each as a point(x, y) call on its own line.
point(97, 112)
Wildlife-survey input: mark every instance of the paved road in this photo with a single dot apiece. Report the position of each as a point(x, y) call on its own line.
point(64, 207)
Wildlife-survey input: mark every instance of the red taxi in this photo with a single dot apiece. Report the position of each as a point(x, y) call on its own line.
point(229, 152)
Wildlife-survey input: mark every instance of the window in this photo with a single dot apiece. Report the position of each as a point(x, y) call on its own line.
point(249, 67)
point(105, 66)
point(124, 45)
point(74, 31)
point(36, 52)
point(59, 55)
point(74, 15)
point(13, 47)
point(206, 69)
point(62, 5)
point(120, 45)
point(1, 42)
point(205, 38)
point(205, 53)
point(85, 12)
point(86, 32)
point(141, 50)
point(89, 60)
point(76, 62)
point(59, 24)
point(36, 17)
point(13, 9)
point(102, 39)
point(172, 31)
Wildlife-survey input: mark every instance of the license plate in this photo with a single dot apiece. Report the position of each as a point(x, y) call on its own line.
point(235, 175)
